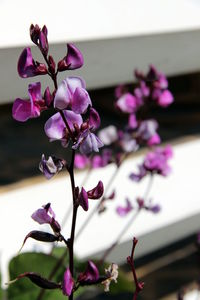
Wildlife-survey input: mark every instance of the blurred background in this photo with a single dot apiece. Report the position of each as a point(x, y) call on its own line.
point(115, 38)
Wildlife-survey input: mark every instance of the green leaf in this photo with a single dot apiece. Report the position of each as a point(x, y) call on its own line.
point(40, 263)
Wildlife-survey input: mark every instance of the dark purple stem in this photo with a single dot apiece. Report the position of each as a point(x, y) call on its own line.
point(130, 259)
point(75, 209)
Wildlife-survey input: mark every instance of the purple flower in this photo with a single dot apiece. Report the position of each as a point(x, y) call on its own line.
point(68, 283)
point(153, 140)
point(147, 132)
point(132, 121)
point(127, 103)
point(141, 92)
point(43, 41)
point(154, 208)
point(27, 67)
point(73, 60)
point(91, 274)
point(127, 142)
point(124, 210)
point(157, 161)
point(51, 166)
point(94, 194)
point(81, 161)
point(102, 160)
point(108, 135)
point(46, 215)
point(55, 127)
point(83, 199)
point(138, 176)
point(165, 98)
point(72, 93)
point(88, 142)
point(97, 191)
point(23, 110)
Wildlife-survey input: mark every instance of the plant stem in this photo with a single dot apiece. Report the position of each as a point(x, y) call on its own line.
point(75, 209)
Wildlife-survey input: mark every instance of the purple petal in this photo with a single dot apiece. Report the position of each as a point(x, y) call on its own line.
point(155, 208)
point(74, 58)
point(41, 216)
point(90, 275)
point(94, 119)
point(73, 83)
point(88, 142)
point(127, 103)
point(124, 210)
point(154, 140)
point(108, 135)
point(55, 126)
point(81, 161)
point(165, 98)
point(27, 67)
point(83, 199)
point(80, 101)
point(34, 91)
point(21, 110)
point(68, 283)
point(132, 121)
point(26, 64)
point(96, 161)
point(62, 96)
point(97, 191)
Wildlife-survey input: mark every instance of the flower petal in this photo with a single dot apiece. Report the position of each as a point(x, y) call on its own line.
point(74, 58)
point(68, 283)
point(21, 110)
point(80, 101)
point(62, 96)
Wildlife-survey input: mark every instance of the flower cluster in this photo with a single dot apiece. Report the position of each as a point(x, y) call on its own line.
point(155, 162)
point(70, 99)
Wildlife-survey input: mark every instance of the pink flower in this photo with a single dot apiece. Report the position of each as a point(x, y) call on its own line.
point(23, 110)
point(68, 283)
point(27, 67)
point(72, 93)
point(73, 60)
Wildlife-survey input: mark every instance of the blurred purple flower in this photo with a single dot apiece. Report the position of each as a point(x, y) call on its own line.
point(72, 93)
point(23, 110)
point(27, 67)
point(81, 161)
point(147, 132)
point(157, 161)
point(127, 103)
point(102, 160)
point(73, 60)
point(108, 135)
point(124, 210)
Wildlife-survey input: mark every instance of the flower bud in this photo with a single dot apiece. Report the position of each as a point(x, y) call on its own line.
point(34, 33)
point(68, 283)
point(73, 60)
point(52, 64)
point(96, 192)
